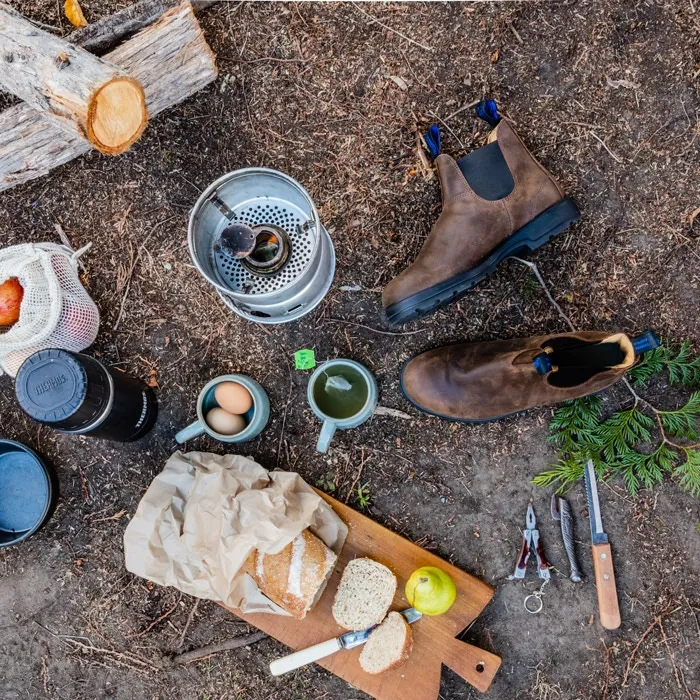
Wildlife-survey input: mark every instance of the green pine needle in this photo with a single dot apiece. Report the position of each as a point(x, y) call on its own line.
point(682, 369)
point(564, 474)
point(688, 473)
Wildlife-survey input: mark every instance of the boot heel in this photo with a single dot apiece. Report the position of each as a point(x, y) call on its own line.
point(545, 226)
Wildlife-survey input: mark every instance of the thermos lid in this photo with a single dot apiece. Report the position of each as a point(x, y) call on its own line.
point(51, 385)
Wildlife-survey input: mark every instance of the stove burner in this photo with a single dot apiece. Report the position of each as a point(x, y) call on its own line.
point(270, 252)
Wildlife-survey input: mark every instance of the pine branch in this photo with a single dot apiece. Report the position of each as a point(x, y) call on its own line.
point(688, 472)
point(652, 363)
point(564, 474)
point(623, 444)
point(682, 368)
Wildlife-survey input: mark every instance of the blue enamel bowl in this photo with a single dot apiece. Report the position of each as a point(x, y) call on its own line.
point(28, 492)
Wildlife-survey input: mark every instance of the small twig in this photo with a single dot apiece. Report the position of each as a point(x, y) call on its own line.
point(160, 619)
point(605, 146)
point(357, 476)
point(462, 109)
point(387, 27)
point(127, 287)
point(459, 141)
point(552, 301)
point(375, 330)
point(420, 153)
point(692, 612)
point(286, 407)
point(607, 670)
point(670, 653)
point(128, 659)
point(190, 617)
point(66, 242)
point(196, 654)
point(653, 624)
point(134, 260)
point(393, 412)
point(634, 652)
point(515, 31)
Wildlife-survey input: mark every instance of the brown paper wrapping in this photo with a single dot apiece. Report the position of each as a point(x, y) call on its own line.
point(203, 515)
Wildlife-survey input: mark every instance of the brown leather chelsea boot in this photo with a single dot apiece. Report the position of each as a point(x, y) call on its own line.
point(478, 382)
point(497, 201)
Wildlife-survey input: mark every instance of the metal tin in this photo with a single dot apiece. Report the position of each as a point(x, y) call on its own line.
point(263, 199)
point(77, 394)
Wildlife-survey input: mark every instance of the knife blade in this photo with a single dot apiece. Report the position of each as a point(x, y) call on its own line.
point(608, 606)
point(349, 640)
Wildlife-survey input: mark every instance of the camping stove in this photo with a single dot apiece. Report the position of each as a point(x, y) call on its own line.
point(278, 261)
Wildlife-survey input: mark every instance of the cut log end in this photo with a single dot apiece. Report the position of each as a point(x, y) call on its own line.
point(117, 115)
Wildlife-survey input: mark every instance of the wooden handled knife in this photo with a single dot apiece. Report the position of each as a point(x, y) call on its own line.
point(608, 606)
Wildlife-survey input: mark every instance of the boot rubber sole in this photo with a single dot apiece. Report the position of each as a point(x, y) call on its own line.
point(526, 239)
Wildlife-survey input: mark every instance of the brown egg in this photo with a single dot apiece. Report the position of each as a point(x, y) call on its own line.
point(223, 422)
point(233, 397)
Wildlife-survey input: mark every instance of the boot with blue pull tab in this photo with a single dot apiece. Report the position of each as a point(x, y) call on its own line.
point(497, 201)
point(478, 382)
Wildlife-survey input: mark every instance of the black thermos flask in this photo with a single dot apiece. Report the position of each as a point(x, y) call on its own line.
point(77, 394)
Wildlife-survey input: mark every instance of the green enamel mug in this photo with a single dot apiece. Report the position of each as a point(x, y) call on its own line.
point(343, 394)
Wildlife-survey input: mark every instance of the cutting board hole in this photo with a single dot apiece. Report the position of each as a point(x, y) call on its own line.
point(480, 667)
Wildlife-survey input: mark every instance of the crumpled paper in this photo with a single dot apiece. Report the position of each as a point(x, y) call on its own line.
point(204, 514)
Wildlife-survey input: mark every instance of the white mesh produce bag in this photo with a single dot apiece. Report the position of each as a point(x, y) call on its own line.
point(56, 311)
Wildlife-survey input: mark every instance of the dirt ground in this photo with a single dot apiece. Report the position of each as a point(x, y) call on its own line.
point(607, 94)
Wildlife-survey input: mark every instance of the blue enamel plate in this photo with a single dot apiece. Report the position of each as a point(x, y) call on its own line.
point(28, 492)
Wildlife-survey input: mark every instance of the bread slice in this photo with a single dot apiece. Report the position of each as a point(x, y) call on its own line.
point(296, 576)
point(389, 645)
point(365, 592)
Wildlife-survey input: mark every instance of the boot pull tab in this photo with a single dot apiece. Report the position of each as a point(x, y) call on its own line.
point(485, 109)
point(432, 141)
point(543, 362)
point(488, 111)
point(645, 342)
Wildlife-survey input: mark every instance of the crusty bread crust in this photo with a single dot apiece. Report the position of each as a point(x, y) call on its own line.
point(296, 576)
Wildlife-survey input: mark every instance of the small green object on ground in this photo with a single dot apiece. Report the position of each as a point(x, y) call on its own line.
point(304, 359)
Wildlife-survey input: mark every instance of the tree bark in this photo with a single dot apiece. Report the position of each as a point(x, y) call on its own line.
point(83, 93)
point(172, 61)
point(106, 32)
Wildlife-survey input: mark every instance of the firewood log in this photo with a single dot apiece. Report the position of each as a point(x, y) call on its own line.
point(171, 59)
point(84, 94)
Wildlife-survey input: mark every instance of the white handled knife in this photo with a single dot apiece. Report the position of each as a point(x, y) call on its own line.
point(320, 651)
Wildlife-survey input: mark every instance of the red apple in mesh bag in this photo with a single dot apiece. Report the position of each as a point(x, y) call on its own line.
point(11, 293)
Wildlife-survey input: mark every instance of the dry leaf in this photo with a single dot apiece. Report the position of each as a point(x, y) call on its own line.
point(400, 83)
point(153, 379)
point(74, 13)
point(693, 216)
point(495, 55)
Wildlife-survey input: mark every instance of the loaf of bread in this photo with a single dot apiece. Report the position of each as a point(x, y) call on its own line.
point(388, 646)
point(296, 576)
point(365, 592)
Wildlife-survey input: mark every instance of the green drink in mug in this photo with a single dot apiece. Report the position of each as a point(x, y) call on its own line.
point(343, 394)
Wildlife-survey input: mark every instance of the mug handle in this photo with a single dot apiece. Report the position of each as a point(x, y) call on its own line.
point(191, 431)
point(327, 433)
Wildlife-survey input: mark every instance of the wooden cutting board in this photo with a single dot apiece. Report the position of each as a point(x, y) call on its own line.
point(434, 637)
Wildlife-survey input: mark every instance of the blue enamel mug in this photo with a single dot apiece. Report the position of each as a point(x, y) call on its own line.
point(256, 418)
point(343, 394)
